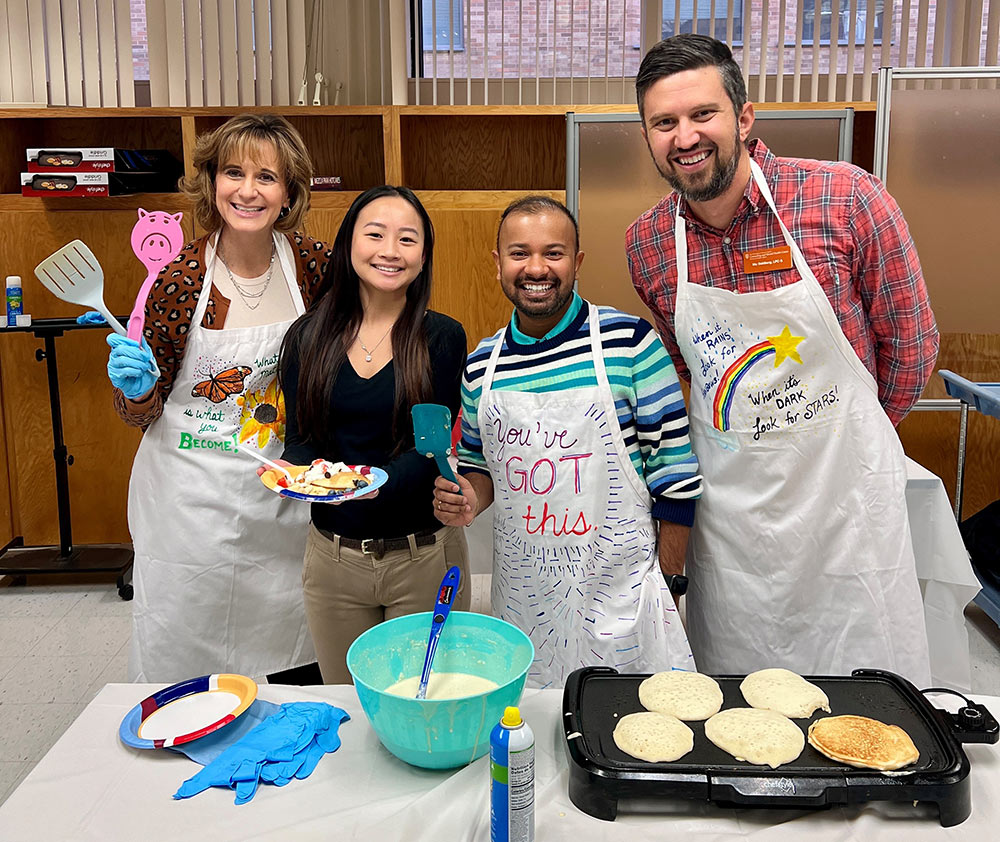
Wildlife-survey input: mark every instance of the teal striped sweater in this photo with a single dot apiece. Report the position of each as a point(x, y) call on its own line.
point(647, 395)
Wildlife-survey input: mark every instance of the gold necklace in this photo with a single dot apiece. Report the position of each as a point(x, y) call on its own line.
point(369, 352)
point(255, 295)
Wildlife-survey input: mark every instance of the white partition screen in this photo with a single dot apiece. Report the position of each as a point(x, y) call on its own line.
point(937, 148)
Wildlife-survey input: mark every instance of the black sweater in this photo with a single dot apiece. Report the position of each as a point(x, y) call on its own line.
point(362, 435)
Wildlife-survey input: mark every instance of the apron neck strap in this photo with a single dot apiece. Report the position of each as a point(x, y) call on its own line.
point(596, 348)
point(681, 245)
point(765, 191)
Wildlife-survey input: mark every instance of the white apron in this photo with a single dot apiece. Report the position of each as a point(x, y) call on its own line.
point(218, 557)
point(575, 562)
point(800, 556)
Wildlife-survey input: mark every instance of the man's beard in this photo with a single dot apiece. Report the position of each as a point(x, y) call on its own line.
point(542, 310)
point(722, 177)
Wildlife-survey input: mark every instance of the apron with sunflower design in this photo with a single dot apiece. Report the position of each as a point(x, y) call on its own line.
point(218, 557)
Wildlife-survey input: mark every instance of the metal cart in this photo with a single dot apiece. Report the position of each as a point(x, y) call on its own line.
point(985, 398)
point(19, 560)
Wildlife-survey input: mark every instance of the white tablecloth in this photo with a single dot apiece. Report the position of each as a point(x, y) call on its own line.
point(91, 787)
point(945, 574)
point(946, 577)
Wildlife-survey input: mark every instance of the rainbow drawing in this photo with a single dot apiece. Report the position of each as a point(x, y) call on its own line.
point(727, 385)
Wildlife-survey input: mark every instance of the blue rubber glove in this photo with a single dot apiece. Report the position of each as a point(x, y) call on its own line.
point(91, 317)
point(131, 366)
point(302, 764)
point(286, 745)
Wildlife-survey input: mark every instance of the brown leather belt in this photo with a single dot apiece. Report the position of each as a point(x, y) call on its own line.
point(378, 547)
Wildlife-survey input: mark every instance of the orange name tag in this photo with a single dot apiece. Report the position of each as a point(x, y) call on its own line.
point(767, 260)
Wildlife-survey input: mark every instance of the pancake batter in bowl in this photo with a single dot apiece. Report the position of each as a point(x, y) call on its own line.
point(444, 685)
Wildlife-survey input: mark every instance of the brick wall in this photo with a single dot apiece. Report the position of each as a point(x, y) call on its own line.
point(140, 53)
point(562, 40)
point(561, 32)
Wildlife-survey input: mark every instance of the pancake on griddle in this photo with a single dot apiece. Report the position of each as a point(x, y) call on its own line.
point(784, 692)
point(655, 737)
point(863, 742)
point(686, 695)
point(757, 736)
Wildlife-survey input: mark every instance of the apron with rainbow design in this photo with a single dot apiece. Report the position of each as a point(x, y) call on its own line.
point(800, 555)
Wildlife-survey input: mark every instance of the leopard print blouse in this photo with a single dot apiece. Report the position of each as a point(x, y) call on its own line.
point(170, 311)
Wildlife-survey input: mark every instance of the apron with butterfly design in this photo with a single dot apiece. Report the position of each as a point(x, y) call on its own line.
point(218, 557)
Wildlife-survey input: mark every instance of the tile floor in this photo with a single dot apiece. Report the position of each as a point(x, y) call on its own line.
point(60, 643)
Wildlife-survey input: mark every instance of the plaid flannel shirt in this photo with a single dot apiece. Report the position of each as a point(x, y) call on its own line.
point(854, 239)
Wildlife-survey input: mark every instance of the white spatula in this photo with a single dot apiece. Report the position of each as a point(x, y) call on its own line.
point(73, 274)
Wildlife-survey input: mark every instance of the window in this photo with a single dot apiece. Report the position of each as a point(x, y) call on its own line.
point(843, 17)
point(442, 24)
point(704, 19)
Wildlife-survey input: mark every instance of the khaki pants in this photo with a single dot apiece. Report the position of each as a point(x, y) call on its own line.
point(347, 591)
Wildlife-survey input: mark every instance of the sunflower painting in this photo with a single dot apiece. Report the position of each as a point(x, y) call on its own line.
point(262, 414)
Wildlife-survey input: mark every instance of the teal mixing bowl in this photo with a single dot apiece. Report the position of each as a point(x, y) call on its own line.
point(450, 732)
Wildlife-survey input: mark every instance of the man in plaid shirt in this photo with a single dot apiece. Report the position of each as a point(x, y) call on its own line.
point(788, 292)
point(852, 235)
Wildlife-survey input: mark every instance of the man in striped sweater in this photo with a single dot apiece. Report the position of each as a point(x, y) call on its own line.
point(574, 424)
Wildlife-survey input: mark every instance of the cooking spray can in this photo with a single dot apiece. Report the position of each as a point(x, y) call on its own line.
point(15, 303)
point(512, 780)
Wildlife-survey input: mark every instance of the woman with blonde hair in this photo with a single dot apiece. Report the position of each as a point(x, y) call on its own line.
point(218, 558)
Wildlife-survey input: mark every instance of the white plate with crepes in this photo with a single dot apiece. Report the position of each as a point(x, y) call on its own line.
point(325, 482)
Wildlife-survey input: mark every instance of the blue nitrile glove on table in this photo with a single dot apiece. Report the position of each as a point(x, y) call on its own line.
point(91, 317)
point(131, 366)
point(286, 745)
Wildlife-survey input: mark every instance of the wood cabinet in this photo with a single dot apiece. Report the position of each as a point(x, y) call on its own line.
point(466, 164)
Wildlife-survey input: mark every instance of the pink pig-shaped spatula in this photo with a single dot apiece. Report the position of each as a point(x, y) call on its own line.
point(157, 238)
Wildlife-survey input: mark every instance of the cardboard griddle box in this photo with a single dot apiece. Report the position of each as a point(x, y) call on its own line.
point(101, 159)
point(95, 184)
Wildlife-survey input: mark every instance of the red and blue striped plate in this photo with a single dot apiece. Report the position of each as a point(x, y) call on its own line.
point(188, 710)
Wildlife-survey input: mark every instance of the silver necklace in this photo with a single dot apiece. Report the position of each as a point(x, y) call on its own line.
point(369, 352)
point(255, 295)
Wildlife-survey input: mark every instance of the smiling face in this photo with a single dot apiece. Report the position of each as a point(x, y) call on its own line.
point(250, 191)
point(694, 136)
point(537, 264)
point(387, 248)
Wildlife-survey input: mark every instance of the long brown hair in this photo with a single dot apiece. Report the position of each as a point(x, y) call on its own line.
point(324, 334)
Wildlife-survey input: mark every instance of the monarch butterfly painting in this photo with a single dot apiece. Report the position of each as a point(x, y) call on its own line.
point(220, 386)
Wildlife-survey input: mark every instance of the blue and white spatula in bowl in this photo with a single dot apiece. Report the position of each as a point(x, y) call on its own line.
point(446, 596)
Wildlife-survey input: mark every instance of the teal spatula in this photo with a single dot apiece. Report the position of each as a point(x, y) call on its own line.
point(432, 433)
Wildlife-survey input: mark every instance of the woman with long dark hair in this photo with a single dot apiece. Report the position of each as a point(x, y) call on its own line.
point(351, 369)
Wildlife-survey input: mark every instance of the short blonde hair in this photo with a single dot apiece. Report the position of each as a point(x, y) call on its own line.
point(242, 137)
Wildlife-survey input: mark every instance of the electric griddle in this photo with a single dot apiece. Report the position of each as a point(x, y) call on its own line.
point(595, 698)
